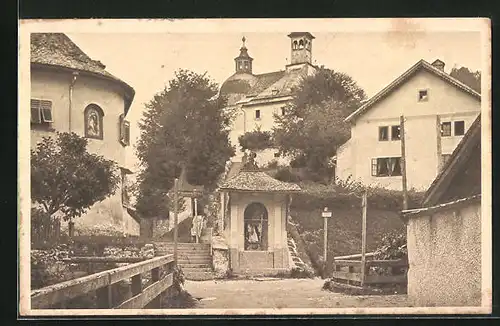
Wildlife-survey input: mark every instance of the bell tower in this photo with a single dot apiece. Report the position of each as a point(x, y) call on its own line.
point(243, 61)
point(301, 47)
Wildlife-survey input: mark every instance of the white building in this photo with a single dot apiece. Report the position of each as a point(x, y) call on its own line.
point(438, 110)
point(257, 97)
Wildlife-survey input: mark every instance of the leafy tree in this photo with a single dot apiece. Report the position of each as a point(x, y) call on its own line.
point(183, 126)
point(468, 77)
point(255, 140)
point(66, 178)
point(313, 127)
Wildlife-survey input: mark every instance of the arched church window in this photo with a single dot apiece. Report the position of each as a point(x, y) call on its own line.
point(295, 46)
point(246, 64)
point(301, 44)
point(93, 121)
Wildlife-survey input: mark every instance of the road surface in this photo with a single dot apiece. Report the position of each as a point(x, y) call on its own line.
point(280, 293)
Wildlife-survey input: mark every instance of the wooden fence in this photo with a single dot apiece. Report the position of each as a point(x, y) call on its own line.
point(370, 272)
point(102, 283)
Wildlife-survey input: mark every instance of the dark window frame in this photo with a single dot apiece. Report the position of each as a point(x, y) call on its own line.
point(380, 164)
point(423, 97)
point(41, 106)
point(257, 114)
point(398, 128)
point(455, 128)
point(442, 129)
point(386, 128)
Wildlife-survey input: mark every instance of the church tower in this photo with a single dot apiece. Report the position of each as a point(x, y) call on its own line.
point(243, 61)
point(301, 45)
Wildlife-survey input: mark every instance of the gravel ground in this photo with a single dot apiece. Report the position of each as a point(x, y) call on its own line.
point(281, 293)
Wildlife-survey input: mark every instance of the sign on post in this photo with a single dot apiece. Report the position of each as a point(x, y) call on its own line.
point(326, 214)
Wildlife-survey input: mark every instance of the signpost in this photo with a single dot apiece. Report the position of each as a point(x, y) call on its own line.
point(326, 214)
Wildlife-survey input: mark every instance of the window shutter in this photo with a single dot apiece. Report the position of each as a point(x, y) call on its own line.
point(121, 126)
point(374, 167)
point(46, 108)
point(35, 111)
point(126, 129)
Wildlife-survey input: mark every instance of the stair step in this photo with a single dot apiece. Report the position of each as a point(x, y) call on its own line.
point(194, 265)
point(199, 276)
point(189, 270)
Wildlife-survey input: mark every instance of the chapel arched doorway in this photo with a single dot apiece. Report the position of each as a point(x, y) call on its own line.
point(256, 227)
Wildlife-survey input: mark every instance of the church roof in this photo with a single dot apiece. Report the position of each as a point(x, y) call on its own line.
point(257, 181)
point(58, 50)
point(422, 64)
point(263, 86)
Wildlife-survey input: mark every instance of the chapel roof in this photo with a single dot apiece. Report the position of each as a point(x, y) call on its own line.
point(257, 181)
point(421, 64)
point(58, 50)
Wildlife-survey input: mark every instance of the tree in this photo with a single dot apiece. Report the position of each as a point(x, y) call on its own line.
point(183, 126)
point(255, 140)
point(66, 178)
point(468, 77)
point(313, 127)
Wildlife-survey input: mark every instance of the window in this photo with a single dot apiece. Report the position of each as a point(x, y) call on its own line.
point(257, 114)
point(93, 122)
point(423, 95)
point(41, 111)
point(383, 133)
point(277, 154)
point(386, 167)
point(124, 131)
point(275, 91)
point(459, 127)
point(283, 111)
point(295, 45)
point(445, 129)
point(301, 44)
point(395, 133)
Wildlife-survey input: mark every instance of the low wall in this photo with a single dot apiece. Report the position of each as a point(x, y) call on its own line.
point(444, 254)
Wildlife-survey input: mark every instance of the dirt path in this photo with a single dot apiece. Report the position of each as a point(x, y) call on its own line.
point(283, 293)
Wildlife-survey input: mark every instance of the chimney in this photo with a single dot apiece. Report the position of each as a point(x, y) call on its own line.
point(438, 64)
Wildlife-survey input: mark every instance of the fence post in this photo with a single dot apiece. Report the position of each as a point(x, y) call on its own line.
point(136, 286)
point(363, 239)
point(104, 297)
point(155, 277)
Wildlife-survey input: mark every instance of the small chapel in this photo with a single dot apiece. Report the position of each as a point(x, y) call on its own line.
point(255, 209)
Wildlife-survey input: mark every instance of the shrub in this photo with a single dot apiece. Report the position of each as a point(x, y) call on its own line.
point(255, 140)
point(391, 246)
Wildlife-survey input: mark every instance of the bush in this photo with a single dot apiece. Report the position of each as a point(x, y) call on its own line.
point(255, 140)
point(391, 246)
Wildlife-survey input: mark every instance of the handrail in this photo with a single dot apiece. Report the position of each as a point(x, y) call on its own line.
point(101, 283)
point(367, 255)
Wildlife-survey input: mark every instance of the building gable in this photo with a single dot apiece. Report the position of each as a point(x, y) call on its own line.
point(405, 78)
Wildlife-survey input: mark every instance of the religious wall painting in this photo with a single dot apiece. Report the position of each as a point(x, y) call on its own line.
point(256, 227)
point(93, 122)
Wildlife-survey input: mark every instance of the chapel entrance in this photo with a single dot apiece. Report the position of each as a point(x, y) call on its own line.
point(256, 227)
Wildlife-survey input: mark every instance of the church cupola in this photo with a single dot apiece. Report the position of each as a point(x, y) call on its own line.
point(243, 61)
point(301, 44)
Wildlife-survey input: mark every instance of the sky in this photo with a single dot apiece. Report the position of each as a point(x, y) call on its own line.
point(147, 61)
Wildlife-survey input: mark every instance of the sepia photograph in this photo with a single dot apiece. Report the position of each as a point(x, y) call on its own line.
point(254, 166)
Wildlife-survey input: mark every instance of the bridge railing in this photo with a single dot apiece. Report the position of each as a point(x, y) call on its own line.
point(102, 283)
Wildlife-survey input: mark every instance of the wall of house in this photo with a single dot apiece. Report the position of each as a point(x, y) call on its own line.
point(343, 164)
point(54, 86)
point(445, 100)
point(444, 252)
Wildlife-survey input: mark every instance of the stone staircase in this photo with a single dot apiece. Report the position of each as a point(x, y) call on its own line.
point(195, 259)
